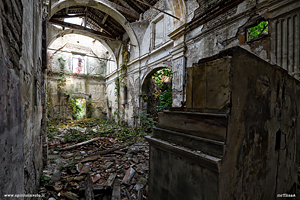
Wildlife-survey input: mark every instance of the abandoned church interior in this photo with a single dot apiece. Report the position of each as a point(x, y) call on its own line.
point(150, 99)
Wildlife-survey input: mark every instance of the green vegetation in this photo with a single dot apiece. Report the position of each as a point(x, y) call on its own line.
point(78, 108)
point(62, 78)
point(147, 121)
point(94, 128)
point(163, 93)
point(255, 31)
point(44, 179)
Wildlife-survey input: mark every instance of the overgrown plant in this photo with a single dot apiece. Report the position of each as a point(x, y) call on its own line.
point(49, 62)
point(146, 121)
point(61, 82)
point(89, 108)
point(77, 109)
point(79, 68)
point(258, 30)
point(163, 92)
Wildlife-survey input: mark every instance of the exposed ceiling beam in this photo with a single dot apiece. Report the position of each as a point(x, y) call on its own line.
point(85, 16)
point(137, 5)
point(66, 16)
point(78, 27)
point(157, 9)
point(104, 19)
point(84, 55)
point(122, 9)
point(100, 26)
point(106, 15)
point(124, 3)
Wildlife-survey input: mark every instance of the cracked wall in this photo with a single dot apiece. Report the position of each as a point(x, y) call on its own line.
point(22, 96)
point(88, 83)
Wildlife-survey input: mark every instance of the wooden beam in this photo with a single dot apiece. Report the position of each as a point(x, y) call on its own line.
point(122, 9)
point(157, 9)
point(104, 19)
point(66, 16)
point(137, 5)
point(106, 15)
point(100, 26)
point(56, 50)
point(124, 3)
point(78, 27)
point(85, 16)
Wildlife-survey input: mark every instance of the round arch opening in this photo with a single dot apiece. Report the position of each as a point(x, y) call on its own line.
point(157, 92)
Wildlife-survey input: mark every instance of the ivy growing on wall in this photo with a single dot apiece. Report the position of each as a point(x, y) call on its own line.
point(61, 82)
point(125, 60)
point(49, 62)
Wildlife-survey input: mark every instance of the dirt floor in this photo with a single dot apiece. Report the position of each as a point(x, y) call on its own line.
point(95, 159)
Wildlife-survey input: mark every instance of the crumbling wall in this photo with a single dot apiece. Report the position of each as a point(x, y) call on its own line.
point(262, 139)
point(219, 25)
point(21, 96)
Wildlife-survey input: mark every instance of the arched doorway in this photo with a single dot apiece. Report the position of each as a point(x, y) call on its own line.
point(157, 92)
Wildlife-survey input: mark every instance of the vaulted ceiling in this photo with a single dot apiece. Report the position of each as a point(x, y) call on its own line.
point(100, 23)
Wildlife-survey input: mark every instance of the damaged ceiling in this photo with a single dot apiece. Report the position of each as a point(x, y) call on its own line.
point(100, 23)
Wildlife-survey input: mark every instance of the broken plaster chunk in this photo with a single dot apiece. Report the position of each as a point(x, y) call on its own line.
point(56, 175)
point(55, 152)
point(128, 176)
point(108, 165)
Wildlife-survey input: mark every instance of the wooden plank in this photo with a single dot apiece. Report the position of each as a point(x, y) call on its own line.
point(116, 193)
point(89, 194)
point(137, 5)
point(67, 16)
point(106, 15)
point(112, 149)
point(104, 19)
point(128, 176)
point(122, 9)
point(79, 144)
point(78, 27)
point(100, 26)
point(110, 180)
point(124, 3)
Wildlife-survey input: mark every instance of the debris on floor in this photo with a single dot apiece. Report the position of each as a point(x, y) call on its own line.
point(101, 168)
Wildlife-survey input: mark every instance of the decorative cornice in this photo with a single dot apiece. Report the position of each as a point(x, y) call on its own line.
point(177, 32)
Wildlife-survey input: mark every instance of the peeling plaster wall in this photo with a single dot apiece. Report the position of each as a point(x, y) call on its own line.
point(208, 34)
point(22, 96)
point(90, 84)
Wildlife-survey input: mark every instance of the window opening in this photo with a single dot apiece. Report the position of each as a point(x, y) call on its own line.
point(261, 29)
point(78, 64)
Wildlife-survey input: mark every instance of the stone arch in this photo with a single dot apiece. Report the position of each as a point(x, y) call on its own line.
point(98, 4)
point(79, 32)
point(147, 100)
point(151, 71)
point(178, 9)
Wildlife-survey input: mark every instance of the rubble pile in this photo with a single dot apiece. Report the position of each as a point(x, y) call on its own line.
point(101, 168)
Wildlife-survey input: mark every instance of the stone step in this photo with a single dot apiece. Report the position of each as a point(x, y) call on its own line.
point(208, 146)
point(206, 125)
point(210, 162)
